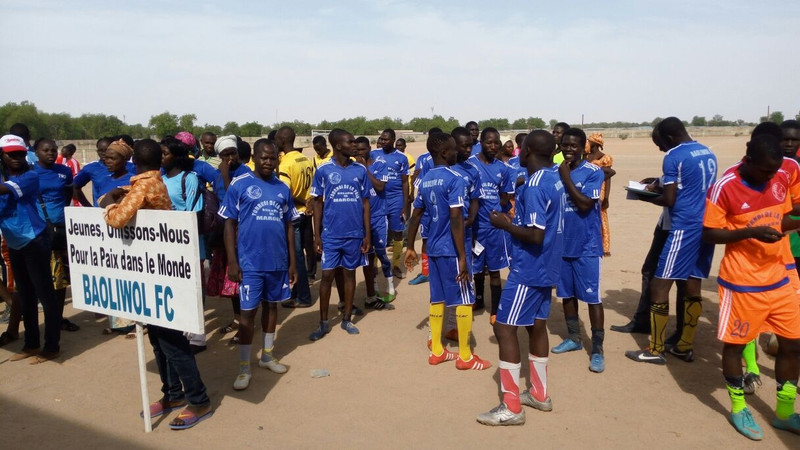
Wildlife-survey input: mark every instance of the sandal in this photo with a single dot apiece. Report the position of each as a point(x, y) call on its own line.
point(233, 326)
point(159, 408)
point(187, 419)
point(7, 338)
point(234, 340)
point(66, 325)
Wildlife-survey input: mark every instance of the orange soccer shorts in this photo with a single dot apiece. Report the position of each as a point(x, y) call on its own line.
point(743, 315)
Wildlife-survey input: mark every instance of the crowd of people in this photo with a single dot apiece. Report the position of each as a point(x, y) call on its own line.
point(535, 204)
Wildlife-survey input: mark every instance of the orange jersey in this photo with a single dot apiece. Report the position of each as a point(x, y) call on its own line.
point(791, 169)
point(750, 265)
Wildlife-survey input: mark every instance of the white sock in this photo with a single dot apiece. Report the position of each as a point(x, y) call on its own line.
point(390, 285)
point(269, 340)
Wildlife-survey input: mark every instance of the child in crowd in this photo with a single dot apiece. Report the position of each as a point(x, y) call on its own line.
point(259, 240)
point(441, 193)
point(342, 232)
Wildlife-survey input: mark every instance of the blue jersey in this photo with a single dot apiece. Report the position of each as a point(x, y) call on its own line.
point(97, 173)
point(263, 208)
point(205, 172)
point(219, 185)
point(521, 172)
point(55, 190)
point(342, 190)
point(496, 177)
point(397, 165)
point(377, 200)
point(476, 148)
point(440, 190)
point(110, 183)
point(539, 205)
point(693, 168)
point(19, 214)
point(424, 164)
point(582, 231)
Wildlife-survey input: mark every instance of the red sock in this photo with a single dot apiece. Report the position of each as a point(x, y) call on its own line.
point(509, 384)
point(425, 264)
point(538, 377)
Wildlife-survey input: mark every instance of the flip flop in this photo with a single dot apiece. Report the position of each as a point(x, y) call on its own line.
point(189, 419)
point(44, 357)
point(157, 409)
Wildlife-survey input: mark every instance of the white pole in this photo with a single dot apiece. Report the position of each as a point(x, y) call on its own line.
point(148, 427)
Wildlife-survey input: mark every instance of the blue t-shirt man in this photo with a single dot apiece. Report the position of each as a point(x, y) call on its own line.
point(377, 200)
point(692, 167)
point(97, 173)
point(20, 222)
point(342, 190)
point(440, 190)
point(540, 206)
point(534, 267)
point(582, 231)
point(472, 191)
point(262, 209)
point(496, 177)
point(397, 166)
point(54, 184)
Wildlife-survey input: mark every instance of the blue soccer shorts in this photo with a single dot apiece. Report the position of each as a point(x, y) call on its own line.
point(272, 286)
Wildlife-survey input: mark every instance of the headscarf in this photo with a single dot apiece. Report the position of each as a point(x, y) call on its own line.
point(224, 142)
point(596, 138)
point(186, 138)
point(122, 148)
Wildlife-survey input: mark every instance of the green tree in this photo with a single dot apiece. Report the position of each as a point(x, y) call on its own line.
point(776, 117)
point(164, 124)
point(535, 123)
point(499, 123)
point(231, 128)
point(553, 123)
point(216, 129)
point(186, 123)
point(519, 124)
point(26, 113)
point(251, 129)
point(698, 121)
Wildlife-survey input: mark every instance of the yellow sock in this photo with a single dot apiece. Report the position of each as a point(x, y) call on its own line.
point(436, 318)
point(691, 315)
point(464, 323)
point(397, 252)
point(659, 315)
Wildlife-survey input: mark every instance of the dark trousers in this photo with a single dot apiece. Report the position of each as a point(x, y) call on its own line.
point(180, 377)
point(642, 315)
point(301, 292)
point(307, 232)
point(34, 284)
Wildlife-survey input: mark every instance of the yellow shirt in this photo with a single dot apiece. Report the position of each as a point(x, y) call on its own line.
point(412, 162)
point(296, 171)
point(317, 160)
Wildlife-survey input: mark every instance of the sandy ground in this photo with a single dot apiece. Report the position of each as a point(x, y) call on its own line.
point(381, 391)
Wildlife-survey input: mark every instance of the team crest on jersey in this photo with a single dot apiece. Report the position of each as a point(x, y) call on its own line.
point(779, 191)
point(253, 192)
point(335, 178)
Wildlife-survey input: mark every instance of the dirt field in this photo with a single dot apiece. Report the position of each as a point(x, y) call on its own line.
point(382, 393)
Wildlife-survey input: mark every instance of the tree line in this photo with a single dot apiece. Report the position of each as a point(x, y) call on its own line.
point(93, 126)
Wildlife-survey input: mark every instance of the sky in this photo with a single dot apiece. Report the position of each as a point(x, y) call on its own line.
point(271, 61)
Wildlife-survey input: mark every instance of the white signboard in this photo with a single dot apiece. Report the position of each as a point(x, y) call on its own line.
point(148, 271)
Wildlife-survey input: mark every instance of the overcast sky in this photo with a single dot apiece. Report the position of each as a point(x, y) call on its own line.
point(271, 61)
